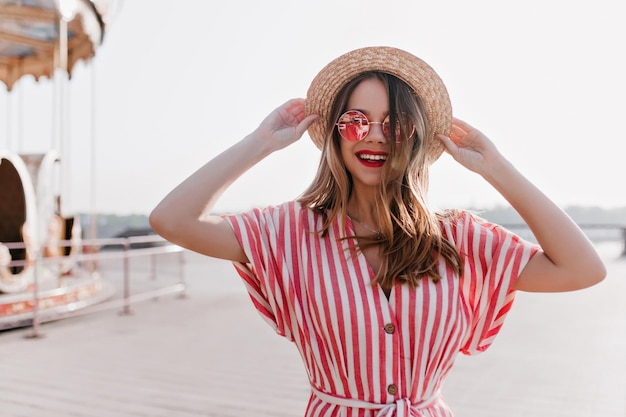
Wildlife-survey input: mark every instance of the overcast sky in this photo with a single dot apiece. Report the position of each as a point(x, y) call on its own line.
point(178, 82)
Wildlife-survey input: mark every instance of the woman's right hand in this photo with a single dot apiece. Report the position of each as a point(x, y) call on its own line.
point(285, 125)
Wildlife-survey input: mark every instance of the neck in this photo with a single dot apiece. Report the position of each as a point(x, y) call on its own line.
point(371, 229)
point(362, 208)
point(362, 211)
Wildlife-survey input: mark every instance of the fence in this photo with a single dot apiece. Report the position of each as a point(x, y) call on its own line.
point(595, 232)
point(91, 256)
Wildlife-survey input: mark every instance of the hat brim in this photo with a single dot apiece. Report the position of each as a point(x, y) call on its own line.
point(404, 65)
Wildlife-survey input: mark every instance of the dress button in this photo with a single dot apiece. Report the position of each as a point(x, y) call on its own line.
point(389, 328)
point(392, 389)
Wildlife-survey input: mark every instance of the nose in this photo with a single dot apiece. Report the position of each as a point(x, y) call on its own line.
point(375, 133)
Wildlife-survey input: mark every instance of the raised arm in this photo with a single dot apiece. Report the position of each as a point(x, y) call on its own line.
point(183, 216)
point(568, 260)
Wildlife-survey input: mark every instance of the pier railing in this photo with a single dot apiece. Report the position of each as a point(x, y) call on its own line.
point(117, 260)
point(597, 232)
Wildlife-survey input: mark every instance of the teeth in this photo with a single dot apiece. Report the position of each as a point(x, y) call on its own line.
point(368, 157)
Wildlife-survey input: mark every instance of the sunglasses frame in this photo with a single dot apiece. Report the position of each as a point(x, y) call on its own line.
point(387, 120)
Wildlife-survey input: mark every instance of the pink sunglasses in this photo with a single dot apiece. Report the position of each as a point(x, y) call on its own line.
point(354, 126)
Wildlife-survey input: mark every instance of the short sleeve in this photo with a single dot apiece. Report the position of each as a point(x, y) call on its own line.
point(493, 258)
point(264, 235)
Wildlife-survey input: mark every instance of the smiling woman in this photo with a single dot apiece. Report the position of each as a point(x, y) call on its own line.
point(377, 291)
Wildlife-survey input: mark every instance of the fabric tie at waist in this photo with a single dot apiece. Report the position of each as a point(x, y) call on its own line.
point(402, 407)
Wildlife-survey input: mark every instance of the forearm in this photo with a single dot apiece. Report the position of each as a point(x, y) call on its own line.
point(197, 195)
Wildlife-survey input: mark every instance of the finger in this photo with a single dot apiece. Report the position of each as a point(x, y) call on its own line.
point(448, 144)
point(295, 107)
point(294, 102)
point(292, 112)
point(305, 123)
point(462, 125)
point(457, 133)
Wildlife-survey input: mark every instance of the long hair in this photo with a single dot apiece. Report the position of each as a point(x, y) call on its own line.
point(412, 240)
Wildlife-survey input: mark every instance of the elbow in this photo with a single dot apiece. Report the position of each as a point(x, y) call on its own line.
point(169, 223)
point(158, 222)
point(599, 274)
point(594, 275)
point(154, 221)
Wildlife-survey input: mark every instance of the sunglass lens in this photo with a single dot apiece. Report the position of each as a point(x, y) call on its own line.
point(387, 128)
point(403, 122)
point(353, 125)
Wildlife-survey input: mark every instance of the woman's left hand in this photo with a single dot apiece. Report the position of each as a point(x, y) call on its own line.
point(470, 147)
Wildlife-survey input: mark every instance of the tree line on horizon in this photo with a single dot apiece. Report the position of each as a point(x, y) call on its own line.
point(582, 215)
point(115, 225)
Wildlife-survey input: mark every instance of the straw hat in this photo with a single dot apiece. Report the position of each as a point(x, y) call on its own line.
point(407, 67)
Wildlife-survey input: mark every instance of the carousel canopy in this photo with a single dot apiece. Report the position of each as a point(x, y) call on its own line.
point(32, 41)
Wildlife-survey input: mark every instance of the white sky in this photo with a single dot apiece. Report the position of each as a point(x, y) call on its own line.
point(178, 82)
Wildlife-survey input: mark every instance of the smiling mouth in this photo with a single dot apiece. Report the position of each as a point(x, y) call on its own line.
point(372, 158)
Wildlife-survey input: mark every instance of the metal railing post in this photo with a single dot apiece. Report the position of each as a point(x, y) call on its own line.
point(126, 310)
point(35, 333)
point(181, 274)
point(153, 267)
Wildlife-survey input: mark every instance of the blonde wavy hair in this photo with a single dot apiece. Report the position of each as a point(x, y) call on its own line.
point(412, 240)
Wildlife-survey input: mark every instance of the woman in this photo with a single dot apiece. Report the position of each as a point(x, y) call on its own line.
point(378, 292)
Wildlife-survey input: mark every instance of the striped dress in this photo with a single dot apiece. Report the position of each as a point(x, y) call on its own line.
point(367, 355)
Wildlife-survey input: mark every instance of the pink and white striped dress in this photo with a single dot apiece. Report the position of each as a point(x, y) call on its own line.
point(366, 355)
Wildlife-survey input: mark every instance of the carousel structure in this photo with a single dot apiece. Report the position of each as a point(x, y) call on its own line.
point(43, 272)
